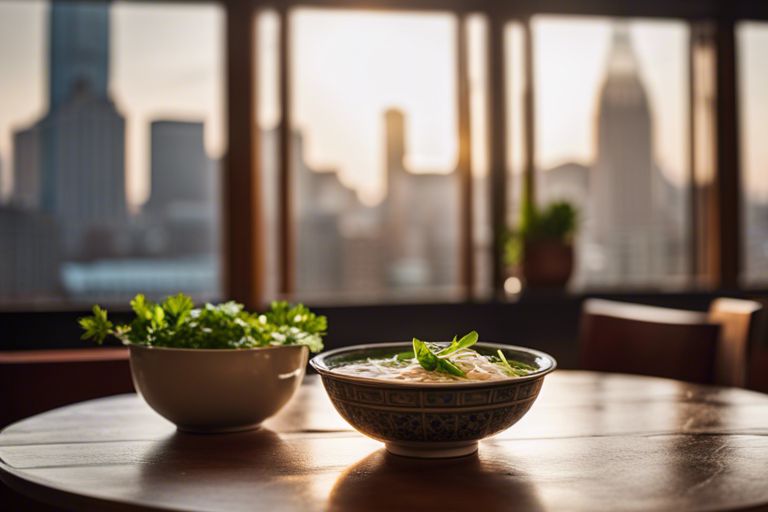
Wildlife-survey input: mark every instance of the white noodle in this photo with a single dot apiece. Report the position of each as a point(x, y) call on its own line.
point(476, 367)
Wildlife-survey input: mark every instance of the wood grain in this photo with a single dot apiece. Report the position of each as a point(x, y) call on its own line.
point(591, 442)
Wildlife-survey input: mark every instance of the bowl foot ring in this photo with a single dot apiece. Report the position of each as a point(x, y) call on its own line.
point(426, 451)
point(218, 430)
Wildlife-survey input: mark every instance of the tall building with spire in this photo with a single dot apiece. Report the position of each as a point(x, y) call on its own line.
point(72, 161)
point(420, 218)
point(621, 211)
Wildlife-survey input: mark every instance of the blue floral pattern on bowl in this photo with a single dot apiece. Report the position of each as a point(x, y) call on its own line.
point(429, 419)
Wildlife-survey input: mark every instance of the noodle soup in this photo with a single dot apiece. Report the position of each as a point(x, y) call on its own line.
point(436, 363)
point(432, 400)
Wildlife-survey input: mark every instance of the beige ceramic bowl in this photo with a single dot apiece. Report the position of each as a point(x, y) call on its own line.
point(217, 390)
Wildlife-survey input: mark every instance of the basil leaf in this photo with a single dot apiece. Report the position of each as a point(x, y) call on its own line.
point(448, 367)
point(465, 342)
point(426, 358)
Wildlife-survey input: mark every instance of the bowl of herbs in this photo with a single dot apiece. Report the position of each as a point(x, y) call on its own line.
point(215, 368)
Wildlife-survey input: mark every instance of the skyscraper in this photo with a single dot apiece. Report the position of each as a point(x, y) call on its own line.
point(421, 218)
point(185, 186)
point(78, 50)
point(72, 161)
point(621, 210)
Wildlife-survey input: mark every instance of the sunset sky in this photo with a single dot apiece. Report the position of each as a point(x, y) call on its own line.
point(349, 67)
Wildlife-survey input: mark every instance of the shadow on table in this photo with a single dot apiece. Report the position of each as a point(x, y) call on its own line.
point(203, 465)
point(386, 482)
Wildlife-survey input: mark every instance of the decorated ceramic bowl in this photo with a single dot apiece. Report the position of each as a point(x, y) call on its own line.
point(431, 420)
point(221, 390)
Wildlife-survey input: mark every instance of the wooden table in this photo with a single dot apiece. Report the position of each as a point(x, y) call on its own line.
point(591, 442)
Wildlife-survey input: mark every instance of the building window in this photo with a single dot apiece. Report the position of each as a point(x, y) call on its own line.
point(612, 137)
point(111, 133)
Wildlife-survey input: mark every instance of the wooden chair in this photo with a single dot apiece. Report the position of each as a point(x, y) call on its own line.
point(648, 340)
point(37, 380)
point(738, 321)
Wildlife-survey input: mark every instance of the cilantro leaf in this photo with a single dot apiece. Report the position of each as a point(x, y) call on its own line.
point(177, 323)
point(97, 326)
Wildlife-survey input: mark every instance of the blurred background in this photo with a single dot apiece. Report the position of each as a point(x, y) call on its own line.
point(380, 157)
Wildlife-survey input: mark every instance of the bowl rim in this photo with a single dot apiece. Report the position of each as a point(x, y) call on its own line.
point(319, 365)
point(132, 346)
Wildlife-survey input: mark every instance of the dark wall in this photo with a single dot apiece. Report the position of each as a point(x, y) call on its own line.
point(549, 322)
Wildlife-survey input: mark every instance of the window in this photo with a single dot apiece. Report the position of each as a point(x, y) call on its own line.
point(375, 191)
point(753, 81)
point(111, 133)
point(378, 148)
point(611, 136)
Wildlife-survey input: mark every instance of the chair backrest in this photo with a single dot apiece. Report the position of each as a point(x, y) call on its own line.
point(648, 340)
point(738, 324)
point(34, 381)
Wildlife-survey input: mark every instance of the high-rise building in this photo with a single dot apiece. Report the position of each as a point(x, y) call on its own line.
point(29, 254)
point(621, 213)
point(71, 163)
point(182, 204)
point(180, 168)
point(78, 50)
point(27, 168)
point(421, 218)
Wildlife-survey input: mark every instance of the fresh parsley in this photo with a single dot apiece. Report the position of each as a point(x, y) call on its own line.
point(175, 322)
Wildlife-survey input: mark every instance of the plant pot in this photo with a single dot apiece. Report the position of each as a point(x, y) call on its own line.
point(547, 263)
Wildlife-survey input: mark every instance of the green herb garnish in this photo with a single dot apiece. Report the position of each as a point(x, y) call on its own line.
point(177, 323)
point(514, 368)
point(465, 342)
point(439, 361)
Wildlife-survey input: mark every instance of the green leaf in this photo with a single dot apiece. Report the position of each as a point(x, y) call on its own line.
point(141, 307)
point(468, 340)
point(426, 358)
point(405, 356)
point(465, 342)
point(514, 368)
point(97, 326)
point(178, 307)
point(176, 323)
point(448, 367)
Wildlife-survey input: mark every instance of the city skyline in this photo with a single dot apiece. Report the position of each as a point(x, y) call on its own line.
point(562, 116)
point(73, 164)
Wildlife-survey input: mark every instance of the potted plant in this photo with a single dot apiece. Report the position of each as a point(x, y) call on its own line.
point(217, 368)
point(543, 245)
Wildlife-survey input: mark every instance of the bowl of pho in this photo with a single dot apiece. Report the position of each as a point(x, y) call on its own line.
point(432, 399)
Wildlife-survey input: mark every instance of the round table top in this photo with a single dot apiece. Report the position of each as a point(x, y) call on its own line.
point(591, 442)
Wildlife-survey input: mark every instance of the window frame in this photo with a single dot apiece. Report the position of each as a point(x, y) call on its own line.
point(243, 244)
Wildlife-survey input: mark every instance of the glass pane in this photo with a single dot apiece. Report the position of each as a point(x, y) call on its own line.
point(753, 81)
point(612, 117)
point(111, 132)
point(375, 149)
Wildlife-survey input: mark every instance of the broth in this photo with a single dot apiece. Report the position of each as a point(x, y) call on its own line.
point(476, 367)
